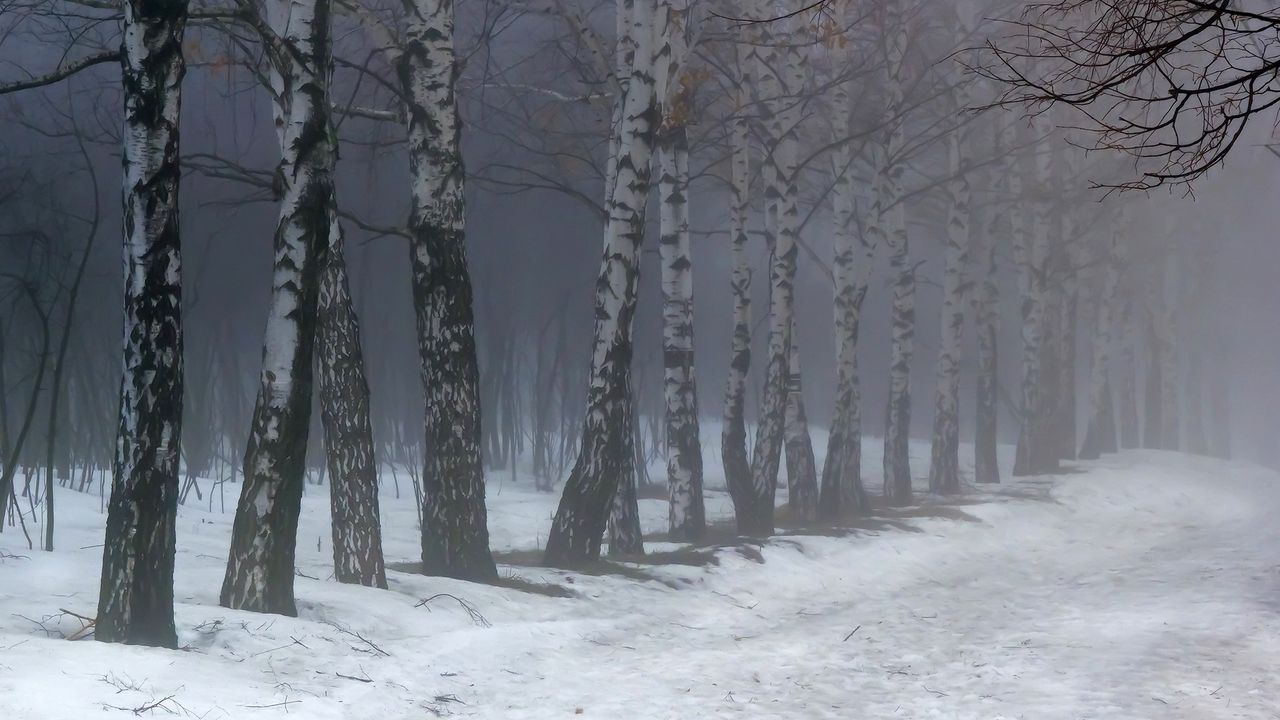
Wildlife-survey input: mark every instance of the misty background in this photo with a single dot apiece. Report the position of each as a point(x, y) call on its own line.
point(534, 145)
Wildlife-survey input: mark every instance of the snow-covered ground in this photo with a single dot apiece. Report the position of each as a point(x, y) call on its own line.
point(1145, 586)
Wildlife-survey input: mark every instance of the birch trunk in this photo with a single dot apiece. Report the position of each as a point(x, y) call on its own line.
point(1167, 333)
point(1064, 407)
point(455, 531)
point(944, 469)
point(733, 434)
point(606, 451)
point(687, 518)
point(770, 432)
point(348, 431)
point(802, 472)
point(853, 256)
point(986, 320)
point(1100, 436)
point(1031, 250)
point(1127, 392)
point(260, 566)
point(1156, 423)
point(135, 602)
point(888, 206)
point(686, 514)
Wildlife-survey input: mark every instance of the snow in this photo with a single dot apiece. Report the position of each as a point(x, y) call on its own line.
point(1143, 586)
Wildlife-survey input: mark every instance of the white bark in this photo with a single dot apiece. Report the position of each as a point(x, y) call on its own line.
point(686, 515)
point(889, 227)
point(944, 470)
point(135, 602)
point(455, 535)
point(260, 566)
point(733, 440)
point(606, 445)
point(853, 254)
point(1100, 436)
point(1031, 253)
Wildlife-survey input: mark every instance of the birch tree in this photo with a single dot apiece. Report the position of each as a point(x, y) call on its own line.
point(890, 229)
point(260, 566)
point(687, 517)
point(348, 430)
point(802, 471)
point(1100, 435)
point(853, 255)
point(135, 601)
point(778, 120)
point(944, 468)
point(606, 451)
point(1127, 373)
point(455, 533)
point(733, 433)
point(1031, 254)
point(986, 321)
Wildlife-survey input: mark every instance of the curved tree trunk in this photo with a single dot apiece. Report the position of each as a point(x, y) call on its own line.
point(135, 600)
point(606, 454)
point(455, 531)
point(348, 432)
point(260, 567)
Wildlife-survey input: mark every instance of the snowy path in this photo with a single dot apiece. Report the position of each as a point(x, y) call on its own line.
point(1145, 587)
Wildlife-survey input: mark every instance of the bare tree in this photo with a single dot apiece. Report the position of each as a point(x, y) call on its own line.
point(1174, 84)
point(135, 604)
point(260, 565)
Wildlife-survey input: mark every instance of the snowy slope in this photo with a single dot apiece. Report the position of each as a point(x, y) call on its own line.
point(1143, 587)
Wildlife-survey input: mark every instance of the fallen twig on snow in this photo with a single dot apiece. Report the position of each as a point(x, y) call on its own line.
point(373, 648)
point(474, 614)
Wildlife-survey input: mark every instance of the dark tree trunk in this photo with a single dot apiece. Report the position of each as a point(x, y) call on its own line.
point(135, 601)
point(802, 472)
point(624, 532)
point(348, 431)
point(455, 531)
